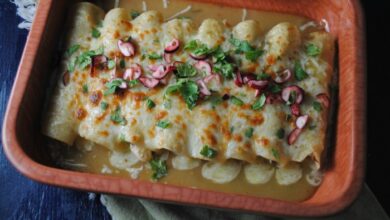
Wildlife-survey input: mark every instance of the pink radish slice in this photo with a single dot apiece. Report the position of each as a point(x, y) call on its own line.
point(203, 88)
point(258, 84)
point(149, 82)
point(198, 57)
point(258, 92)
point(167, 57)
point(126, 48)
point(294, 108)
point(172, 46)
point(293, 136)
point(98, 59)
point(132, 73)
point(273, 98)
point(203, 66)
point(286, 93)
point(238, 79)
point(302, 121)
point(213, 76)
point(323, 99)
point(283, 76)
point(161, 72)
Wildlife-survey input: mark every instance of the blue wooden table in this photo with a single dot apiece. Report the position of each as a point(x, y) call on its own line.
point(21, 198)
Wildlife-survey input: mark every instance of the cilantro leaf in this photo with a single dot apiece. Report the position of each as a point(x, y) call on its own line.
point(236, 101)
point(154, 56)
point(71, 50)
point(225, 69)
point(190, 92)
point(150, 104)
point(250, 52)
point(111, 64)
point(259, 103)
point(134, 14)
point(163, 124)
point(263, 76)
point(280, 133)
point(249, 132)
point(312, 50)
point(85, 88)
point(185, 70)
point(159, 168)
point(112, 86)
point(104, 105)
point(299, 72)
point(85, 59)
point(117, 117)
point(208, 152)
point(253, 55)
point(317, 106)
point(275, 153)
point(95, 33)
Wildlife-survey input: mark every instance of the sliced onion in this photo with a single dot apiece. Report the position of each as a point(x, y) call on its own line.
point(283, 76)
point(203, 88)
point(302, 121)
point(323, 99)
point(172, 46)
point(149, 82)
point(286, 92)
point(167, 57)
point(203, 66)
point(132, 73)
point(294, 108)
point(258, 84)
point(238, 79)
point(198, 57)
point(126, 48)
point(293, 136)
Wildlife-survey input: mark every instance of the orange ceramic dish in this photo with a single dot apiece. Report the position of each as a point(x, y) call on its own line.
point(27, 149)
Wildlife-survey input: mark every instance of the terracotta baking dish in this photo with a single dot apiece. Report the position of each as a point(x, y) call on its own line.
point(26, 149)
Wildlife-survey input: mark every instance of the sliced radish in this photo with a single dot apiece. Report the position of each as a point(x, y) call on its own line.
point(168, 57)
point(238, 79)
point(258, 84)
point(258, 92)
point(132, 73)
point(323, 99)
point(96, 60)
point(126, 48)
point(286, 93)
point(172, 46)
point(302, 121)
point(149, 82)
point(203, 88)
point(283, 76)
point(294, 108)
point(161, 71)
point(203, 66)
point(293, 136)
point(198, 57)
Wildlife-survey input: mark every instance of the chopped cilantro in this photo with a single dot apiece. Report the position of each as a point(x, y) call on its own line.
point(249, 132)
point(111, 64)
point(185, 70)
point(275, 88)
point(117, 117)
point(259, 103)
point(197, 48)
point(122, 63)
point(95, 33)
point(317, 106)
point(280, 133)
point(236, 101)
point(225, 69)
point(263, 76)
point(159, 168)
point(208, 152)
point(71, 65)
point(71, 50)
point(104, 105)
point(188, 90)
point(250, 52)
point(85, 88)
point(312, 50)
point(85, 59)
point(299, 72)
point(133, 82)
point(215, 100)
point(154, 56)
point(150, 104)
point(275, 153)
point(112, 86)
point(134, 14)
point(163, 124)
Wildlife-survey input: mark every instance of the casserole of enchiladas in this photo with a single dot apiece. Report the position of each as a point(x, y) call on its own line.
point(163, 94)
